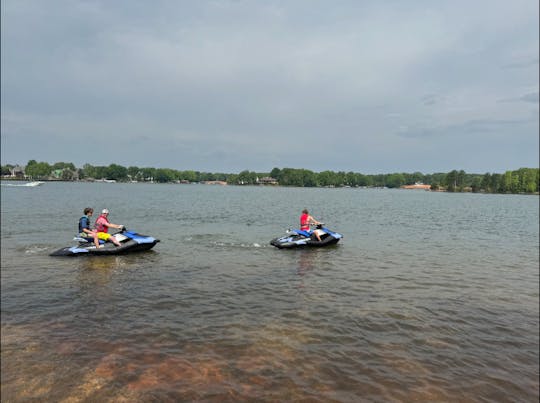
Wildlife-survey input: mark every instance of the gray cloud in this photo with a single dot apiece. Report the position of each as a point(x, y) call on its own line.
point(471, 127)
point(533, 97)
point(523, 64)
point(229, 85)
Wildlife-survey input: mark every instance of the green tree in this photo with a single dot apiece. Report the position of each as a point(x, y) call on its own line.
point(460, 180)
point(134, 173)
point(416, 177)
point(67, 174)
point(275, 173)
point(38, 170)
point(232, 179)
point(451, 181)
point(63, 165)
point(379, 180)
point(164, 175)
point(208, 176)
point(148, 174)
point(246, 178)
point(485, 184)
point(327, 178)
point(527, 180)
point(190, 176)
point(116, 172)
point(309, 178)
point(100, 172)
point(395, 180)
point(497, 185)
point(364, 180)
point(89, 171)
point(506, 184)
point(351, 179)
point(476, 184)
point(6, 169)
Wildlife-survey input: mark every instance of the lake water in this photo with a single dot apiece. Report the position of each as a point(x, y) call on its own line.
point(429, 297)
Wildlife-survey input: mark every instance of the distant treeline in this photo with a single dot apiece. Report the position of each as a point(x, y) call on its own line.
point(524, 180)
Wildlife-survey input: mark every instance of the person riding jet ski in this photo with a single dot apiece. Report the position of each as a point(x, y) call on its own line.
point(306, 220)
point(102, 227)
point(304, 237)
point(85, 231)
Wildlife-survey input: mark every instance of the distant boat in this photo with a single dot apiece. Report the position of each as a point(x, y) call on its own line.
point(26, 185)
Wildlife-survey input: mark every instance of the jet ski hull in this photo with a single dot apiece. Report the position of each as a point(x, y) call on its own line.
point(301, 239)
point(130, 242)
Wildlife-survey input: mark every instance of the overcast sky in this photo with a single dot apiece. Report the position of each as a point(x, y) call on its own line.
point(227, 85)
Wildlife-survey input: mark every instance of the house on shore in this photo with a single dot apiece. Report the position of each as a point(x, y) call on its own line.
point(17, 172)
point(267, 180)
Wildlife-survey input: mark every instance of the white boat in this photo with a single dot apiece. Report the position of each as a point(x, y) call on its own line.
point(25, 185)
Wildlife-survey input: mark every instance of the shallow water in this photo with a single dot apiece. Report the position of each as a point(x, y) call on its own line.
point(429, 297)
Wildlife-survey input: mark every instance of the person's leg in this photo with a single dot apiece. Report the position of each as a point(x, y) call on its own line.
point(96, 239)
point(114, 240)
point(107, 237)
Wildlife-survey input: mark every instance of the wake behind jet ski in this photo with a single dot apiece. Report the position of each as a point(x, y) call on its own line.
point(130, 241)
point(301, 238)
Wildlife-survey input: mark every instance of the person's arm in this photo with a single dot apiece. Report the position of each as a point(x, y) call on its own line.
point(313, 221)
point(117, 226)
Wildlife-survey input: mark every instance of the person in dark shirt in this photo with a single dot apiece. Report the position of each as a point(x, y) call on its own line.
point(84, 226)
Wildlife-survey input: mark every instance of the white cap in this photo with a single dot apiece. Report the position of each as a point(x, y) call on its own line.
point(104, 211)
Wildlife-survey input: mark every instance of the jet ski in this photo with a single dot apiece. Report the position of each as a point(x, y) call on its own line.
point(130, 241)
point(299, 238)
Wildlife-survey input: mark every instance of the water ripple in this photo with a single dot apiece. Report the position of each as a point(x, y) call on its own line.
point(430, 297)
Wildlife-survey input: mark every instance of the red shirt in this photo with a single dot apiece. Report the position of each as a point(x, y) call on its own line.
point(304, 222)
point(100, 224)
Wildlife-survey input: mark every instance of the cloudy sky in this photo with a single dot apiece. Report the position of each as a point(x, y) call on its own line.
point(225, 85)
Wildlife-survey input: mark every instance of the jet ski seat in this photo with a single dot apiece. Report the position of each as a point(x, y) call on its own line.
point(303, 232)
point(86, 239)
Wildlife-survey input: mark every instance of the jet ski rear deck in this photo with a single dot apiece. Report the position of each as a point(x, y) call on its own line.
point(129, 242)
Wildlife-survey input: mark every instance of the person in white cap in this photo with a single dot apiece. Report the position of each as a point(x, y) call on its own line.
point(102, 227)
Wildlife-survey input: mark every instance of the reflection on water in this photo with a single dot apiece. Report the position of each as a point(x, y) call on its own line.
point(308, 260)
point(430, 297)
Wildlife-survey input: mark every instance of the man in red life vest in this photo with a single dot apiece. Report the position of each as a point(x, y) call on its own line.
point(103, 225)
point(306, 220)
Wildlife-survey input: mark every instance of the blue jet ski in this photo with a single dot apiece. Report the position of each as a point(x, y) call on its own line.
point(130, 241)
point(298, 238)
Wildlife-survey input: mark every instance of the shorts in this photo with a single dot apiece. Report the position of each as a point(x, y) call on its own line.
point(103, 235)
point(86, 236)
